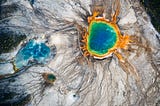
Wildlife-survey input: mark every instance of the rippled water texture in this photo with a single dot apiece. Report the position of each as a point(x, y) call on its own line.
point(42, 62)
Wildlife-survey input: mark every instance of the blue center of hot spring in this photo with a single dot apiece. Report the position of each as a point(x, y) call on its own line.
point(38, 52)
point(102, 37)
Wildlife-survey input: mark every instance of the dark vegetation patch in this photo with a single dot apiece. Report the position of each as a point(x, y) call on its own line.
point(9, 40)
point(153, 9)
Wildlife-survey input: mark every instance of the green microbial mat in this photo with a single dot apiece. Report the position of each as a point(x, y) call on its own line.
point(51, 77)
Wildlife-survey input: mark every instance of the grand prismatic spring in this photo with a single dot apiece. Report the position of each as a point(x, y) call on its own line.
point(102, 38)
point(79, 53)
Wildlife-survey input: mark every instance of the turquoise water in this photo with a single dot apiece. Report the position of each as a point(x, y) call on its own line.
point(32, 51)
point(102, 37)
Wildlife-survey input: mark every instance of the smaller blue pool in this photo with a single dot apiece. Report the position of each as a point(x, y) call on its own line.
point(32, 51)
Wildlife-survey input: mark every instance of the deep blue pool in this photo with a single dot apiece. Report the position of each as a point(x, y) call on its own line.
point(32, 51)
